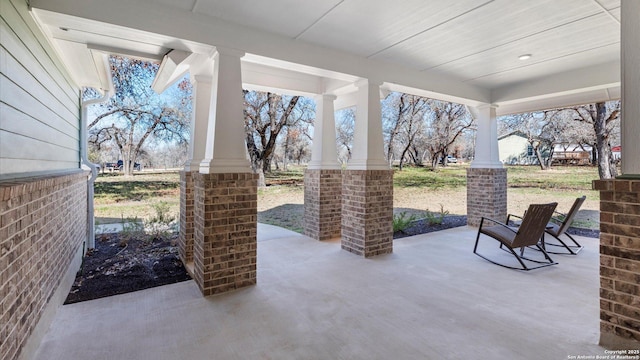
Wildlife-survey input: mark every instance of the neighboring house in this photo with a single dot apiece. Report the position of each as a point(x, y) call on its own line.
point(514, 149)
point(615, 152)
point(572, 154)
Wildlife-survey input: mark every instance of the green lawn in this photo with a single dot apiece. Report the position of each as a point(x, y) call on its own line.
point(454, 176)
point(118, 197)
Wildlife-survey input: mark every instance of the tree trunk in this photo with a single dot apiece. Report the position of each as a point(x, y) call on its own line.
point(549, 160)
point(402, 157)
point(541, 161)
point(266, 165)
point(258, 168)
point(605, 170)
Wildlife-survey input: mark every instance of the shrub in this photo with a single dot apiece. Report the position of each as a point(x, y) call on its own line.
point(162, 223)
point(436, 218)
point(401, 222)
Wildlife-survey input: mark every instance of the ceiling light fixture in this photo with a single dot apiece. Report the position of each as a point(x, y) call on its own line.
point(524, 57)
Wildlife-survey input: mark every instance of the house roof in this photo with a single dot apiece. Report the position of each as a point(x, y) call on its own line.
point(460, 50)
point(513, 133)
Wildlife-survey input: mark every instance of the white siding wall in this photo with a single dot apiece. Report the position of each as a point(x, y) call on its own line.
point(39, 103)
point(512, 146)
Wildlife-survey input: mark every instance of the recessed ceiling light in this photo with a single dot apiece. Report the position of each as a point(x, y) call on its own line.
point(524, 57)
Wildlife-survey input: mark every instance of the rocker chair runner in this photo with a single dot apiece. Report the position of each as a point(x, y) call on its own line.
point(529, 233)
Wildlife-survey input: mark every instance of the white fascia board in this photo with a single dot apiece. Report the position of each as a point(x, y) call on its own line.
point(559, 100)
point(266, 78)
point(432, 94)
point(600, 76)
point(213, 31)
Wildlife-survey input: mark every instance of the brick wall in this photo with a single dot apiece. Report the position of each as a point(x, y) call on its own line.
point(185, 239)
point(42, 226)
point(619, 263)
point(225, 243)
point(367, 212)
point(486, 195)
point(322, 203)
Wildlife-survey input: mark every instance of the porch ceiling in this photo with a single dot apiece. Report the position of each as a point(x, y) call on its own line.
point(463, 50)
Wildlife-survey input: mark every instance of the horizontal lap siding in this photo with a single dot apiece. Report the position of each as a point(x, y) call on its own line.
point(43, 219)
point(39, 103)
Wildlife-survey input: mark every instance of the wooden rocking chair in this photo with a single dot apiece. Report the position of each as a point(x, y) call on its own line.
point(527, 234)
point(559, 226)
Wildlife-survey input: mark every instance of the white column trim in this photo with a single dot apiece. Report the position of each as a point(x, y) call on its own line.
point(368, 144)
point(199, 120)
point(226, 150)
point(487, 154)
point(324, 154)
point(630, 76)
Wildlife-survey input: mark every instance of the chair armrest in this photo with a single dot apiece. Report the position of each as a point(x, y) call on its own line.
point(509, 217)
point(496, 222)
point(557, 220)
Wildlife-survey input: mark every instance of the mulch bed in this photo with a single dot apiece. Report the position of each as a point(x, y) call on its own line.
point(120, 264)
point(423, 226)
point(452, 221)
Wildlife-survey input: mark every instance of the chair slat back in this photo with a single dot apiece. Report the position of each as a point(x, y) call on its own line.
point(570, 215)
point(533, 224)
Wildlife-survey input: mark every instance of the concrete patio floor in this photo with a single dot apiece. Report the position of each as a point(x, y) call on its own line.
point(431, 299)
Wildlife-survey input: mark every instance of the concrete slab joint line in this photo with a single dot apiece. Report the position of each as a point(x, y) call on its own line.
point(619, 263)
point(225, 228)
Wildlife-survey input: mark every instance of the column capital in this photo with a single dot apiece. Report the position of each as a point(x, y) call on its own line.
point(221, 50)
point(487, 106)
point(201, 79)
point(325, 97)
point(367, 82)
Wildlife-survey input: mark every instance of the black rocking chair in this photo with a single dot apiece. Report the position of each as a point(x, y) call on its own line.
point(527, 234)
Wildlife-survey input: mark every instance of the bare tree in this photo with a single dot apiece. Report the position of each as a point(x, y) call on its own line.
point(345, 123)
point(266, 114)
point(603, 117)
point(135, 113)
point(447, 121)
point(412, 127)
point(394, 108)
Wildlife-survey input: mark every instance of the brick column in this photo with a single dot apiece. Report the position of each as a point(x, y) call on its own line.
point(185, 239)
point(367, 213)
point(486, 194)
point(322, 203)
point(225, 246)
point(619, 263)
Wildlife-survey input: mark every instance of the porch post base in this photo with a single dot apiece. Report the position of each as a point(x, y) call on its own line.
point(322, 203)
point(225, 243)
point(367, 212)
point(619, 264)
point(486, 194)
